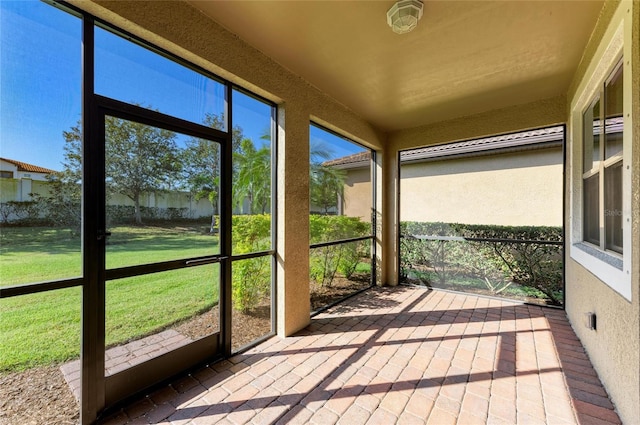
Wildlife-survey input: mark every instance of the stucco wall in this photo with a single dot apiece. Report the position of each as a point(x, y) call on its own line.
point(614, 348)
point(357, 194)
point(20, 189)
point(210, 46)
point(543, 113)
point(516, 189)
point(183, 200)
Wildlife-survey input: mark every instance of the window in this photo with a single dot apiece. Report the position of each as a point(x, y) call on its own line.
point(490, 240)
point(601, 149)
point(172, 152)
point(603, 121)
point(134, 73)
point(341, 221)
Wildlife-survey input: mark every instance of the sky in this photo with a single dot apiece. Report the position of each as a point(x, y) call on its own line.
point(40, 85)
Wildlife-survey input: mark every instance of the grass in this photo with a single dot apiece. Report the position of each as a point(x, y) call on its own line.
point(140, 305)
point(471, 284)
point(40, 329)
point(44, 328)
point(36, 254)
point(363, 267)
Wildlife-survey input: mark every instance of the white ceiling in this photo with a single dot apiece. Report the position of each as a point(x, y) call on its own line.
point(464, 57)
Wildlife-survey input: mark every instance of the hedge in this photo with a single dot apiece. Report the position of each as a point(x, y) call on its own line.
point(327, 261)
point(500, 262)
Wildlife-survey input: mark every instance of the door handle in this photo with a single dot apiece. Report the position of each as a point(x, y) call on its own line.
point(103, 235)
point(206, 260)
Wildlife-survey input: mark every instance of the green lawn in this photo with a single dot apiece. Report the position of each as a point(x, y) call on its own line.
point(36, 254)
point(44, 328)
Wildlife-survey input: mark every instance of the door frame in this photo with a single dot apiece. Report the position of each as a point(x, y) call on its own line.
point(99, 391)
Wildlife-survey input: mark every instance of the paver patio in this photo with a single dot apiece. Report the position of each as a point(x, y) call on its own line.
point(397, 355)
point(124, 356)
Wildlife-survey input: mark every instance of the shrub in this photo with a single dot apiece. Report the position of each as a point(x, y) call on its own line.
point(251, 279)
point(349, 259)
point(251, 233)
point(251, 282)
point(19, 212)
point(499, 262)
point(125, 214)
point(175, 214)
point(324, 228)
point(120, 214)
point(326, 261)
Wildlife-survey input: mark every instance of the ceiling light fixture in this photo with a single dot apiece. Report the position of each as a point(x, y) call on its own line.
point(404, 15)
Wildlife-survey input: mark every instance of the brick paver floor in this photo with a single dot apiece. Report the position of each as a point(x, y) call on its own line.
point(124, 356)
point(397, 355)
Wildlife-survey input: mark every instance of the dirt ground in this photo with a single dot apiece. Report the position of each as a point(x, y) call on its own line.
point(41, 396)
point(37, 396)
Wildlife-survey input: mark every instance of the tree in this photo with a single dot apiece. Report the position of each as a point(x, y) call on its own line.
point(201, 162)
point(139, 159)
point(253, 180)
point(326, 184)
point(63, 203)
point(326, 187)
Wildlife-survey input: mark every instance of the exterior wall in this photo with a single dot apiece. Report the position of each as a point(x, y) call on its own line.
point(543, 113)
point(516, 189)
point(19, 189)
point(210, 46)
point(614, 348)
point(21, 185)
point(196, 209)
point(7, 166)
point(31, 176)
point(10, 190)
point(357, 194)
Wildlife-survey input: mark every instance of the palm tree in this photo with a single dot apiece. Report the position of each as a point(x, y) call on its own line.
point(326, 187)
point(253, 179)
point(326, 184)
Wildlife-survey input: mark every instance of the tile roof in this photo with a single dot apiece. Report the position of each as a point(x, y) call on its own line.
point(30, 168)
point(527, 140)
point(540, 138)
point(356, 159)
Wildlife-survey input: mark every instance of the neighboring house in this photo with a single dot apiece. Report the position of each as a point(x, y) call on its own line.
point(356, 199)
point(513, 179)
point(12, 169)
point(18, 179)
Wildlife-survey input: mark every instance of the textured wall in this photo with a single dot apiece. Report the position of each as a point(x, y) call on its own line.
point(357, 193)
point(538, 114)
point(614, 348)
point(517, 189)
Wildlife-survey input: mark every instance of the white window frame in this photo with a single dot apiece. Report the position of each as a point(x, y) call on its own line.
point(610, 267)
